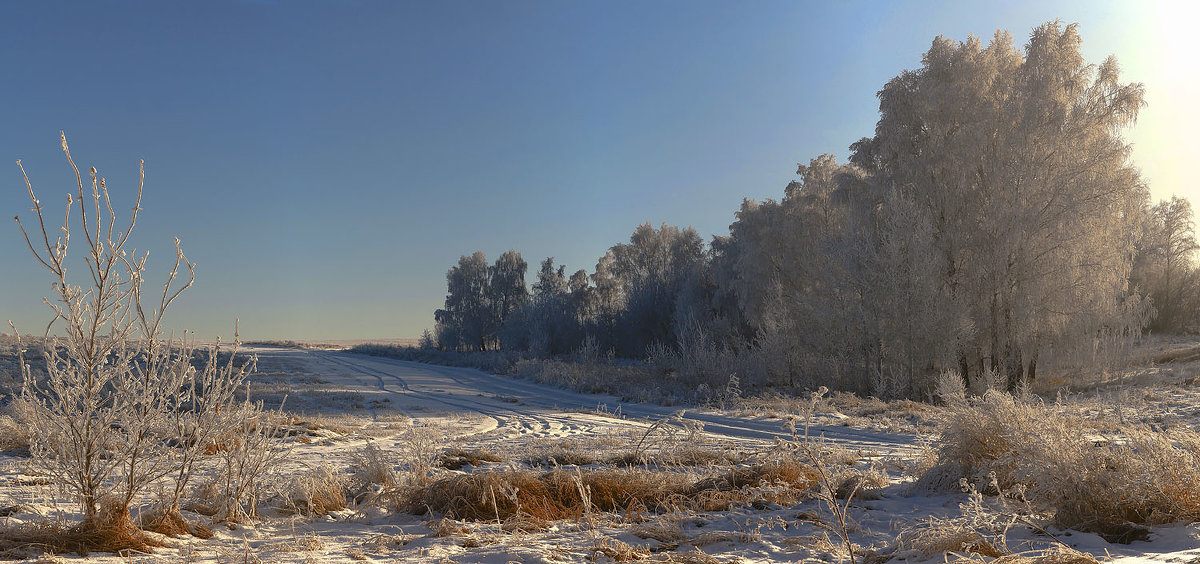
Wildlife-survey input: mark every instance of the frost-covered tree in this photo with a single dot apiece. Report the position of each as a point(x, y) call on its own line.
point(506, 287)
point(1164, 264)
point(546, 325)
point(650, 270)
point(1018, 162)
point(990, 224)
point(550, 281)
point(479, 300)
point(465, 321)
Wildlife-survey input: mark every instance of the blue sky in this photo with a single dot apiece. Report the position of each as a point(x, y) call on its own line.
point(324, 163)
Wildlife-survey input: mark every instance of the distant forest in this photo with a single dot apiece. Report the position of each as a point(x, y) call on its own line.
point(992, 226)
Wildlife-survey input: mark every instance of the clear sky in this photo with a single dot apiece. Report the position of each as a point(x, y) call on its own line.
point(325, 163)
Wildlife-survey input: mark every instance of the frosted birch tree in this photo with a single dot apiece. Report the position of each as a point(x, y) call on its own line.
point(1018, 159)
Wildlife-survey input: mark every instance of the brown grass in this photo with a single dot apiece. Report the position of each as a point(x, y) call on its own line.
point(112, 531)
point(318, 493)
point(14, 436)
point(937, 538)
point(618, 551)
point(172, 523)
point(1057, 554)
point(456, 458)
point(1009, 445)
point(560, 456)
point(555, 495)
point(1184, 354)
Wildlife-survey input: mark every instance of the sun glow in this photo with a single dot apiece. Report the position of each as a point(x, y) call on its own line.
point(1161, 52)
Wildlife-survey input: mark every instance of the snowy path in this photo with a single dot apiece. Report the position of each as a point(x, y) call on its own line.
point(512, 407)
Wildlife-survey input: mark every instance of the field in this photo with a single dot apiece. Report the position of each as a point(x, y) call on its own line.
point(392, 460)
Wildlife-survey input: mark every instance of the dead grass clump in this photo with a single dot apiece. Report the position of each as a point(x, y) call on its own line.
point(205, 499)
point(1184, 354)
point(489, 496)
point(696, 456)
point(372, 466)
point(1056, 554)
point(780, 482)
point(621, 490)
point(862, 485)
point(618, 550)
point(986, 437)
point(560, 456)
point(696, 556)
point(791, 473)
point(1103, 486)
point(560, 494)
point(172, 523)
point(666, 533)
point(14, 436)
point(318, 493)
point(420, 447)
point(446, 527)
point(110, 531)
point(937, 537)
point(456, 458)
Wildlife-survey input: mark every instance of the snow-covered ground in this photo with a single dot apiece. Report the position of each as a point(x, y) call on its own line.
point(347, 401)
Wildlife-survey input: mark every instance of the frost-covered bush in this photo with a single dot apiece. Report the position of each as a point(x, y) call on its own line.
point(121, 406)
point(1058, 462)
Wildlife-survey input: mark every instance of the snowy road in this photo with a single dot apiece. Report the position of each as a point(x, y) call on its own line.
point(511, 407)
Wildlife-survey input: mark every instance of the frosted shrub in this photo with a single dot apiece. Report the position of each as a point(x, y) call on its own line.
point(950, 389)
point(419, 455)
point(1019, 446)
point(373, 466)
point(120, 406)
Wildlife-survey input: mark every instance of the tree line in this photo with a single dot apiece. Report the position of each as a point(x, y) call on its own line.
point(993, 223)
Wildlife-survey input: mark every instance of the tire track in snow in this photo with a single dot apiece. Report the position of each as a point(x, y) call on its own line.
point(540, 409)
point(517, 420)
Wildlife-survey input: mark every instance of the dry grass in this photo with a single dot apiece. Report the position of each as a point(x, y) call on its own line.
point(318, 493)
point(420, 447)
point(695, 556)
point(372, 466)
point(555, 495)
point(15, 428)
point(1056, 554)
point(111, 531)
point(1183, 354)
point(172, 523)
point(446, 527)
point(936, 538)
point(618, 551)
point(456, 458)
point(1091, 484)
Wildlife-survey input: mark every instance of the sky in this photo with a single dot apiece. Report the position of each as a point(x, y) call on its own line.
point(325, 163)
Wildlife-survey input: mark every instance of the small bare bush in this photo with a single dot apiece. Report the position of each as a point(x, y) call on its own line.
point(246, 453)
point(120, 406)
point(950, 389)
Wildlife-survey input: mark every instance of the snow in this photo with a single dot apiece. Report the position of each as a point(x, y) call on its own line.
point(360, 399)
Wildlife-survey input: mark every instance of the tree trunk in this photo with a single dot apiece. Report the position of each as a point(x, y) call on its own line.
point(1031, 373)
